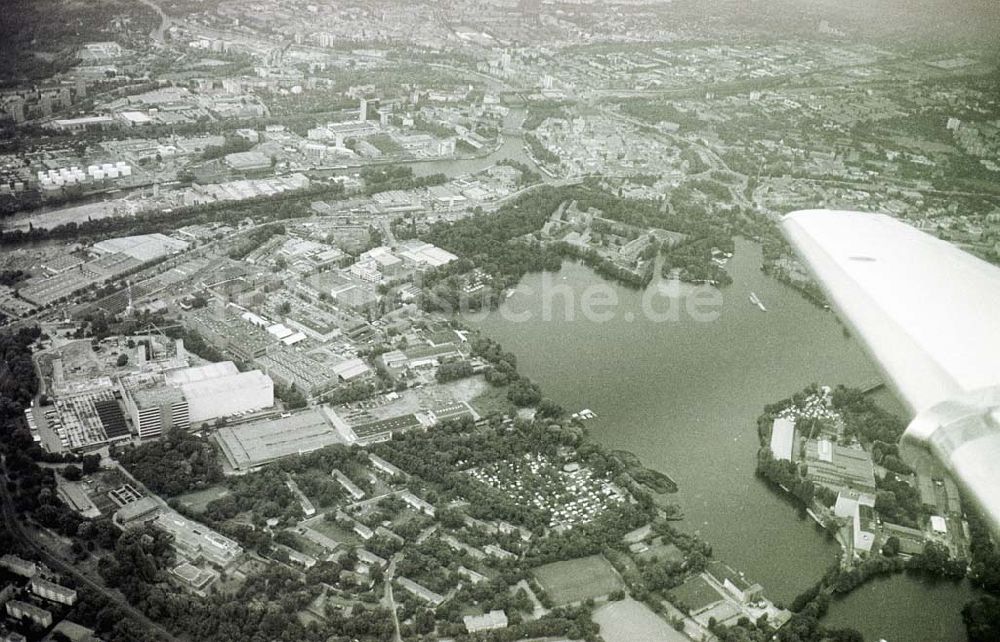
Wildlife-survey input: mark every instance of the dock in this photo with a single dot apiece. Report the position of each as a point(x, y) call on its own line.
point(872, 387)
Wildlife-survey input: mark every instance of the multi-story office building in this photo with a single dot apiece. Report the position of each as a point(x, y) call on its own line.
point(153, 407)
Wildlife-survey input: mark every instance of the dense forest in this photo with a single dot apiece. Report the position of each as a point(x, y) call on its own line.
point(505, 246)
point(384, 178)
point(177, 463)
point(35, 26)
point(692, 262)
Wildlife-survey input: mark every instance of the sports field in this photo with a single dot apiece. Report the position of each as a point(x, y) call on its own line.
point(635, 622)
point(579, 579)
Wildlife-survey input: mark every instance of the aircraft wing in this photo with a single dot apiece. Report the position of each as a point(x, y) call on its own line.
point(927, 312)
point(929, 315)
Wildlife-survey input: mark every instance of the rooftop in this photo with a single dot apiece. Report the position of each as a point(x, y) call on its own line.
point(783, 438)
point(156, 396)
point(199, 373)
point(486, 622)
point(145, 247)
point(252, 381)
point(351, 369)
point(839, 466)
point(253, 444)
point(248, 160)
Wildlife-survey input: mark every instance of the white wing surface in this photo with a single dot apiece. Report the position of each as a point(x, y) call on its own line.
point(927, 312)
point(929, 315)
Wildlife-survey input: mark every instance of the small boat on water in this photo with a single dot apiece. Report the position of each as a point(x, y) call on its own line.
point(756, 301)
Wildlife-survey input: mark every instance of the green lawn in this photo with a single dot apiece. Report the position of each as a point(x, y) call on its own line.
point(665, 552)
point(493, 400)
point(695, 594)
point(385, 144)
point(579, 579)
point(199, 499)
point(331, 530)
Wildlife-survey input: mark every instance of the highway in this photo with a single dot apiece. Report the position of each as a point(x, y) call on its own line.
point(56, 563)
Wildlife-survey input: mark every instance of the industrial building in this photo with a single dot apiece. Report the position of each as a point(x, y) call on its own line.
point(838, 467)
point(288, 368)
point(44, 291)
point(182, 376)
point(848, 502)
point(156, 402)
point(112, 419)
point(153, 407)
point(424, 255)
point(223, 327)
point(421, 356)
point(76, 498)
point(735, 583)
point(254, 444)
point(145, 247)
point(83, 123)
point(863, 528)
point(382, 430)
point(232, 394)
point(351, 369)
point(84, 420)
point(248, 161)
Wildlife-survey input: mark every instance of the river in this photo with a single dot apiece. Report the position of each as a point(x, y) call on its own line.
point(684, 396)
point(511, 147)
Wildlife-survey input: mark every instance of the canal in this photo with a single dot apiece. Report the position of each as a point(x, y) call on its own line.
point(684, 395)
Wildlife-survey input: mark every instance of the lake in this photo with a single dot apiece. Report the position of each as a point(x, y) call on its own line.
point(684, 396)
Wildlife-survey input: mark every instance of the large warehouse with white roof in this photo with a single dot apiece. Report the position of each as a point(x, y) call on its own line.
point(210, 399)
point(221, 390)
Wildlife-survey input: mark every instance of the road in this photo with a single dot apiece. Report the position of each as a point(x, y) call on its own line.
point(56, 563)
point(387, 600)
